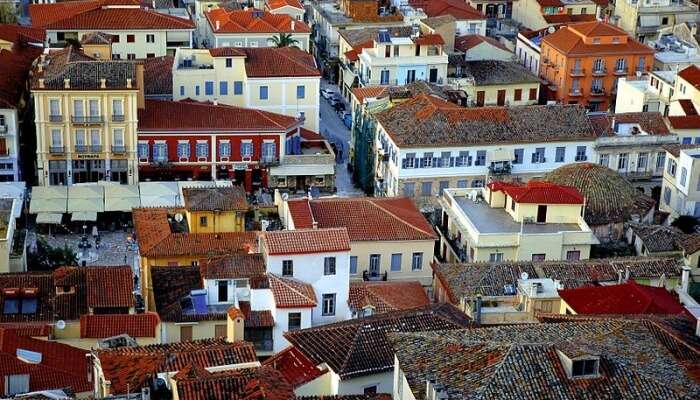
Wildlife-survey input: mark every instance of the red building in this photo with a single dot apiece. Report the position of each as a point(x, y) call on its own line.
point(181, 140)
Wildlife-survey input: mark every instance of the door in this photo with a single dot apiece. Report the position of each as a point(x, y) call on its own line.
point(374, 265)
point(186, 333)
point(541, 214)
point(219, 331)
point(239, 177)
point(480, 98)
point(501, 101)
point(410, 75)
point(433, 75)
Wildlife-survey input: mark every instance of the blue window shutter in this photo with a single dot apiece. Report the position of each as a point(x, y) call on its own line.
point(223, 88)
point(209, 88)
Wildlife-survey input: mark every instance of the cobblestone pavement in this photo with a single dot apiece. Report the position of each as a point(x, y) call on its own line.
point(113, 248)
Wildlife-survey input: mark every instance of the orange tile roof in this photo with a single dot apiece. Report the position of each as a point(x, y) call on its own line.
point(535, 192)
point(366, 219)
point(243, 21)
point(434, 39)
point(291, 293)
point(13, 32)
point(279, 62)
point(467, 42)
point(387, 296)
point(233, 266)
point(458, 9)
point(110, 286)
point(95, 15)
point(568, 41)
point(361, 93)
point(691, 74)
point(684, 121)
point(306, 241)
point(275, 4)
point(352, 55)
point(14, 70)
point(296, 367)
point(626, 298)
point(196, 383)
point(688, 106)
point(107, 325)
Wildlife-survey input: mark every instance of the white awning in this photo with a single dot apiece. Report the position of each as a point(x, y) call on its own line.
point(49, 199)
point(649, 20)
point(500, 155)
point(90, 205)
point(122, 197)
point(303, 170)
point(49, 218)
point(83, 216)
point(86, 198)
point(159, 194)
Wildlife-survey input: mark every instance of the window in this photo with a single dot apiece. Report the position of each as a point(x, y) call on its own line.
point(443, 186)
point(287, 268)
point(642, 161)
point(328, 304)
point(417, 262)
point(269, 151)
point(237, 87)
point(246, 149)
point(183, 149)
point(150, 38)
point(461, 184)
point(518, 95)
point(209, 88)
point(203, 221)
point(223, 88)
point(573, 255)
point(131, 56)
point(518, 155)
point(559, 157)
point(17, 384)
point(581, 153)
point(667, 196)
point(463, 159)
point(620, 65)
point(426, 188)
point(480, 157)
point(78, 110)
point(118, 137)
point(427, 161)
point(622, 161)
point(182, 90)
point(384, 77)
point(671, 168)
point(533, 94)
point(538, 155)
point(54, 108)
point(202, 149)
point(186, 333)
point(329, 266)
point(229, 63)
point(353, 264)
point(130, 38)
point(115, 38)
point(301, 91)
point(495, 257)
point(396, 262)
point(599, 65)
point(409, 189)
point(95, 137)
point(584, 367)
point(370, 389)
point(222, 286)
point(263, 93)
point(80, 137)
point(220, 331)
point(10, 306)
point(604, 160)
point(687, 140)
point(539, 257)
point(160, 152)
point(224, 149)
point(293, 321)
point(56, 138)
point(684, 175)
point(117, 108)
point(143, 150)
point(196, 90)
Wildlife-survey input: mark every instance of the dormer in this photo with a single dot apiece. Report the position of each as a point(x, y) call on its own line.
point(579, 363)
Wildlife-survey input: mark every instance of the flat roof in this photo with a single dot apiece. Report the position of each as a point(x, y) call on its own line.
point(496, 220)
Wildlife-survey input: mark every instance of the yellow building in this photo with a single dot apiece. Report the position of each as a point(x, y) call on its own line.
point(493, 82)
point(538, 221)
point(539, 14)
point(97, 45)
point(643, 19)
point(215, 209)
point(86, 118)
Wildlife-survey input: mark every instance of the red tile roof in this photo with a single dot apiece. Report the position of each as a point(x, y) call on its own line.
point(352, 55)
point(223, 198)
point(158, 76)
point(243, 21)
point(387, 296)
point(272, 61)
point(275, 4)
point(467, 42)
point(684, 121)
point(227, 52)
point(567, 18)
point(433, 39)
point(14, 69)
point(296, 367)
point(95, 15)
point(366, 219)
point(626, 298)
point(361, 93)
point(568, 40)
point(110, 286)
point(13, 32)
point(458, 9)
point(692, 75)
point(233, 266)
point(27, 329)
point(196, 383)
point(107, 325)
point(291, 293)
point(539, 192)
point(306, 241)
point(688, 106)
point(253, 318)
point(190, 115)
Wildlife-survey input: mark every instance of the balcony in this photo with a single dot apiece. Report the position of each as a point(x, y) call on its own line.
point(4, 129)
point(87, 120)
point(457, 248)
point(57, 149)
point(597, 92)
point(269, 160)
point(577, 72)
point(373, 276)
point(575, 93)
point(621, 71)
point(600, 71)
point(82, 148)
point(55, 118)
point(118, 118)
point(95, 148)
point(500, 168)
point(118, 149)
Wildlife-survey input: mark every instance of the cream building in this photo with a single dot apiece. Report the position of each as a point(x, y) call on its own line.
point(86, 118)
point(493, 82)
point(252, 28)
point(647, 93)
point(643, 19)
point(534, 15)
point(680, 194)
point(243, 77)
point(537, 221)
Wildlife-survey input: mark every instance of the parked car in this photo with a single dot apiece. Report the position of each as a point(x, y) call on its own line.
point(327, 94)
point(339, 106)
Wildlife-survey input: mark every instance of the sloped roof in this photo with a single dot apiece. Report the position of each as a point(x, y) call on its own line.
point(96, 38)
point(568, 40)
point(691, 74)
point(650, 122)
point(107, 325)
point(306, 241)
point(14, 68)
point(158, 76)
point(626, 298)
point(535, 192)
point(110, 286)
point(224, 198)
point(366, 219)
point(196, 383)
point(359, 347)
point(387, 296)
point(291, 293)
point(295, 367)
point(233, 266)
point(278, 62)
point(275, 4)
point(13, 33)
point(493, 72)
point(251, 20)
point(440, 123)
point(522, 362)
point(459, 10)
point(468, 42)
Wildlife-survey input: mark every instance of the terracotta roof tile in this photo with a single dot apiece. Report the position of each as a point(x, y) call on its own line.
point(432, 39)
point(568, 39)
point(626, 298)
point(366, 219)
point(650, 122)
point(236, 384)
point(14, 68)
point(456, 8)
point(536, 192)
point(227, 52)
point(191, 115)
point(306, 241)
point(295, 367)
point(278, 62)
point(361, 93)
point(387, 296)
point(688, 106)
point(467, 42)
point(107, 325)
point(291, 293)
point(691, 74)
point(275, 4)
point(13, 33)
point(110, 286)
point(567, 18)
point(360, 347)
point(243, 21)
point(172, 284)
point(158, 76)
point(215, 198)
point(685, 121)
point(233, 266)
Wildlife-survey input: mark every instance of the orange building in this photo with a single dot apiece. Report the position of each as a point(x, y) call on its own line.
point(582, 62)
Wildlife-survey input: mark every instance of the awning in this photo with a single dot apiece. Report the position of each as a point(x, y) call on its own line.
point(500, 155)
point(91, 205)
point(649, 20)
point(86, 198)
point(303, 170)
point(49, 199)
point(49, 218)
point(159, 194)
point(122, 197)
point(83, 216)
point(348, 77)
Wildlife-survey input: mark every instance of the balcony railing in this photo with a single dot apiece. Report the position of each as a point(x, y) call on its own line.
point(117, 118)
point(373, 276)
point(57, 149)
point(4, 129)
point(96, 148)
point(600, 71)
point(577, 72)
point(597, 92)
point(575, 92)
point(87, 120)
point(118, 149)
point(500, 169)
point(55, 118)
point(621, 71)
point(82, 148)
point(269, 160)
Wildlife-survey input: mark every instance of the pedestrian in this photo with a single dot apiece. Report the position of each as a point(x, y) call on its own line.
point(95, 233)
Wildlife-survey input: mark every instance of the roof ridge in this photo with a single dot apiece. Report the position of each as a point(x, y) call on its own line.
point(286, 279)
point(373, 201)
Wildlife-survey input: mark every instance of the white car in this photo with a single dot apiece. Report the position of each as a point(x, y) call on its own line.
point(327, 94)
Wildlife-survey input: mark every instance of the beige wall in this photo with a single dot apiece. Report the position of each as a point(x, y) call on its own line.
point(363, 250)
point(228, 221)
point(170, 331)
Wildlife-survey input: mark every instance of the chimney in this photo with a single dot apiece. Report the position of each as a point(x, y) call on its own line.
point(685, 279)
point(627, 273)
point(218, 24)
point(292, 25)
point(234, 325)
point(477, 312)
point(41, 83)
point(140, 96)
point(66, 83)
point(619, 276)
point(103, 83)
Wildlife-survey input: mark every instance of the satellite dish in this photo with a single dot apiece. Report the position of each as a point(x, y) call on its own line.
point(60, 324)
point(524, 276)
point(551, 29)
point(285, 196)
point(178, 217)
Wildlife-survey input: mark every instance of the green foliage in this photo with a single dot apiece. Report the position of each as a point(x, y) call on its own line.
point(285, 40)
point(47, 258)
point(7, 14)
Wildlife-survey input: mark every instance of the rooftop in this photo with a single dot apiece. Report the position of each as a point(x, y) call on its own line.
point(626, 298)
point(538, 192)
point(233, 266)
point(445, 124)
point(569, 40)
point(306, 241)
point(623, 124)
point(14, 68)
point(691, 74)
point(158, 76)
point(243, 21)
point(222, 198)
point(458, 9)
point(196, 383)
point(107, 325)
point(467, 42)
point(384, 297)
point(661, 238)
point(13, 33)
point(492, 72)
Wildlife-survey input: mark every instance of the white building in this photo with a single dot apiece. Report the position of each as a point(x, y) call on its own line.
point(647, 93)
point(674, 53)
point(527, 49)
point(9, 134)
point(680, 194)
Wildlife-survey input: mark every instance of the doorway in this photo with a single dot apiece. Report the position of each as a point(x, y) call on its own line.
point(541, 214)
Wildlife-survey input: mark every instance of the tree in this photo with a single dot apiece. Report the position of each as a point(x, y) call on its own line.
point(285, 40)
point(686, 223)
point(47, 258)
point(7, 14)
